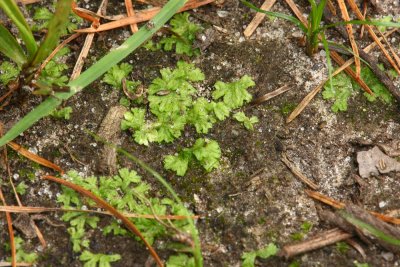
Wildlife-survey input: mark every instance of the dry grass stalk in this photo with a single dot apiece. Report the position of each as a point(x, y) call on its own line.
point(24, 209)
point(271, 95)
point(86, 47)
point(297, 12)
point(349, 28)
point(258, 18)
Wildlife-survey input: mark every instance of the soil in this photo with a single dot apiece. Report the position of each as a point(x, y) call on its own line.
point(253, 199)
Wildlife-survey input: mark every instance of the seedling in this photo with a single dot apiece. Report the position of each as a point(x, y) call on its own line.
point(206, 152)
point(22, 255)
point(183, 33)
point(343, 88)
point(126, 192)
point(264, 253)
point(27, 63)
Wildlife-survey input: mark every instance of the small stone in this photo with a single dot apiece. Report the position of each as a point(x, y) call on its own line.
point(222, 13)
point(387, 256)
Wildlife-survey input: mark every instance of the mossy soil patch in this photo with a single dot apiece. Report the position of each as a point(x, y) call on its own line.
point(252, 199)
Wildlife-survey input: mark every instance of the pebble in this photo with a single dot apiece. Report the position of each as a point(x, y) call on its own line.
point(387, 256)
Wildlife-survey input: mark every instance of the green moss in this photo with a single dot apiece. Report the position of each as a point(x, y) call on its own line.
point(287, 108)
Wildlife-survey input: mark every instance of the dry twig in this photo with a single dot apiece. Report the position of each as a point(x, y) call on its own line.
point(321, 240)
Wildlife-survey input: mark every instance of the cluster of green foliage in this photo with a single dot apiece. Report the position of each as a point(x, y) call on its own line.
point(264, 253)
point(114, 78)
point(127, 193)
point(206, 152)
point(42, 17)
point(342, 88)
point(180, 260)
point(8, 72)
point(63, 113)
point(183, 34)
point(172, 105)
point(52, 74)
point(305, 229)
point(21, 255)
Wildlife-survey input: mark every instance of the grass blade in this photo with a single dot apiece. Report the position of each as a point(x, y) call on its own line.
point(56, 25)
point(10, 47)
point(94, 72)
point(13, 12)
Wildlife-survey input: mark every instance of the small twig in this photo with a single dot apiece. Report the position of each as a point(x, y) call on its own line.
point(321, 240)
point(297, 172)
point(258, 18)
point(272, 94)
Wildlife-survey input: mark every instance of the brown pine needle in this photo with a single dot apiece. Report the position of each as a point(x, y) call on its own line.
point(360, 16)
point(335, 56)
point(29, 155)
point(10, 232)
point(349, 28)
point(297, 12)
point(258, 18)
point(131, 12)
point(340, 205)
point(111, 209)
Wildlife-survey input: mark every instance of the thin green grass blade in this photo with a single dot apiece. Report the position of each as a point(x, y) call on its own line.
point(371, 229)
point(94, 72)
point(56, 25)
point(10, 47)
point(13, 12)
point(277, 15)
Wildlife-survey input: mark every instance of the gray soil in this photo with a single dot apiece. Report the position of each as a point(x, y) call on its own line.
point(252, 199)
